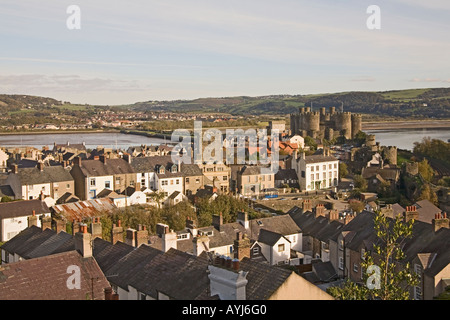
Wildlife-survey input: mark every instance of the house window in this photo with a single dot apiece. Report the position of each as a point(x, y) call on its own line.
point(281, 247)
point(178, 181)
point(171, 182)
point(255, 250)
point(141, 296)
point(418, 289)
point(68, 186)
point(197, 180)
point(312, 177)
point(312, 169)
point(355, 267)
point(187, 180)
point(92, 182)
point(107, 184)
point(225, 178)
point(341, 245)
point(317, 176)
point(335, 165)
point(363, 252)
point(341, 263)
point(324, 167)
point(317, 168)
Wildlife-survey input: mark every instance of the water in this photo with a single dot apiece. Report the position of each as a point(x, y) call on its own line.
point(405, 138)
point(92, 140)
point(402, 138)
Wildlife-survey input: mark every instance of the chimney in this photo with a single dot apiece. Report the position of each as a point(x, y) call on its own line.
point(242, 218)
point(83, 242)
point(333, 215)
point(306, 206)
point(40, 166)
point(131, 237)
point(217, 221)
point(320, 211)
point(169, 239)
point(191, 226)
point(46, 222)
point(241, 246)
point(201, 243)
point(33, 219)
point(75, 226)
point(440, 221)
point(108, 293)
point(348, 218)
point(302, 156)
point(235, 264)
point(227, 284)
point(116, 233)
point(77, 161)
point(103, 159)
point(14, 168)
point(60, 225)
point(96, 228)
point(141, 235)
point(411, 213)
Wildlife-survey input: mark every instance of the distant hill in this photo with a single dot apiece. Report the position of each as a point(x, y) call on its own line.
point(16, 102)
point(411, 103)
point(420, 103)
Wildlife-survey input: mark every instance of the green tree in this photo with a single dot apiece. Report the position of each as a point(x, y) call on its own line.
point(425, 170)
point(360, 182)
point(387, 256)
point(310, 142)
point(343, 170)
point(426, 193)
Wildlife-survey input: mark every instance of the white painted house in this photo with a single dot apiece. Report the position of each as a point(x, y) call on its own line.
point(317, 171)
point(14, 216)
point(159, 174)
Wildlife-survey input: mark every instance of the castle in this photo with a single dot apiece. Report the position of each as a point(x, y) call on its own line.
point(325, 125)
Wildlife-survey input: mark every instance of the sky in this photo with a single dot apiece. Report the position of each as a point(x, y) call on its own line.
point(130, 51)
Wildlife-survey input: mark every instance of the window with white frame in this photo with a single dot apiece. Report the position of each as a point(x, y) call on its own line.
point(418, 288)
point(341, 263)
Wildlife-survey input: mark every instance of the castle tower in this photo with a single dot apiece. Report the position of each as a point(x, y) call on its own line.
point(356, 124)
point(390, 155)
point(343, 124)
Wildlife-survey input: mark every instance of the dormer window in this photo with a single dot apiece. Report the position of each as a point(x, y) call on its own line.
point(174, 169)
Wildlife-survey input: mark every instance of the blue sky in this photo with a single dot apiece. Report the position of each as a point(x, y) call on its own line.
point(129, 51)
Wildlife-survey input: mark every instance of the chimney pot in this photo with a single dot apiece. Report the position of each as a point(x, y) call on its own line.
point(235, 264)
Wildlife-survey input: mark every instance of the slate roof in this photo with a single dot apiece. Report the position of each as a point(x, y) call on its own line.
point(107, 254)
point(318, 159)
point(22, 208)
point(384, 173)
point(6, 191)
point(191, 170)
point(12, 245)
point(96, 168)
point(31, 176)
point(268, 237)
point(286, 174)
point(263, 279)
point(282, 224)
point(148, 164)
point(319, 228)
point(126, 267)
point(426, 210)
point(46, 278)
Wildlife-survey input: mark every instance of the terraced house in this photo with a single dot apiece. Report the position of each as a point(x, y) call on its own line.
point(159, 173)
point(93, 176)
point(42, 180)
